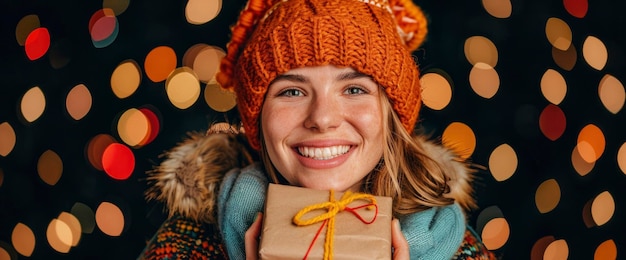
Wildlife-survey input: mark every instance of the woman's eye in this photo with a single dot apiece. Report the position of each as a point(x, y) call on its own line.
point(291, 93)
point(354, 90)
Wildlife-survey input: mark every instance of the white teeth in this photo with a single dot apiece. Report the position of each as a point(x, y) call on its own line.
point(324, 153)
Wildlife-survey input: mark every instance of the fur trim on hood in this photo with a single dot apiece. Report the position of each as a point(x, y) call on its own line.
point(188, 180)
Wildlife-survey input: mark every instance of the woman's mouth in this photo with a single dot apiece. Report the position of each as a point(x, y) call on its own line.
point(323, 153)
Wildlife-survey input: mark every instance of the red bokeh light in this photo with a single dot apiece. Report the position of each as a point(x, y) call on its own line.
point(37, 43)
point(118, 161)
point(552, 122)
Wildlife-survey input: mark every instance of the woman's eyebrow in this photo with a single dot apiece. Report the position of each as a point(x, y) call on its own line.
point(352, 75)
point(290, 77)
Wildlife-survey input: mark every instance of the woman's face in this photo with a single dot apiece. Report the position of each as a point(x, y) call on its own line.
point(323, 127)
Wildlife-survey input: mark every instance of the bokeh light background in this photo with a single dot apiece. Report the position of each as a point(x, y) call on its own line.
point(93, 92)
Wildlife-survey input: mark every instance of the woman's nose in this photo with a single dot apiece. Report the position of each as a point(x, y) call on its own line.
point(324, 114)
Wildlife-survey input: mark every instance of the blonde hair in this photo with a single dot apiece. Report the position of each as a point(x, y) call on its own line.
point(406, 173)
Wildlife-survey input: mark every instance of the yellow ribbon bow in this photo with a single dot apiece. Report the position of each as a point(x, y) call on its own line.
point(333, 207)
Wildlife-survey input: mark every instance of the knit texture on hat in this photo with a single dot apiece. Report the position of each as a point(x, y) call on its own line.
point(367, 35)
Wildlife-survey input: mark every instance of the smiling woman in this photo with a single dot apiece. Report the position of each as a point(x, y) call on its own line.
point(329, 95)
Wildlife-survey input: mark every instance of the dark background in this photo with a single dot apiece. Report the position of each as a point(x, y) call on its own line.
point(511, 116)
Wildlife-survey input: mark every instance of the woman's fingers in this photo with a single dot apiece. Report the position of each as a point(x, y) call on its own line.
point(398, 242)
point(252, 238)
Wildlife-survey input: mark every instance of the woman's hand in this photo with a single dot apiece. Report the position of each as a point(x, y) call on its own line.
point(251, 238)
point(398, 242)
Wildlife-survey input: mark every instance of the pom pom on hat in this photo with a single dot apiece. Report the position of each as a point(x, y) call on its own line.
point(374, 37)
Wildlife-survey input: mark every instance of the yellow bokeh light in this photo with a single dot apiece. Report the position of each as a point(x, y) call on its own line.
point(125, 79)
point(26, 25)
point(78, 102)
point(581, 166)
point(595, 53)
point(23, 239)
point(460, 138)
point(50, 167)
point(33, 104)
point(557, 250)
point(503, 162)
point(558, 33)
point(498, 8)
point(110, 219)
point(547, 196)
point(553, 86)
point(565, 59)
point(481, 49)
point(603, 208)
point(133, 127)
point(496, 233)
point(59, 236)
point(74, 224)
point(202, 11)
point(436, 90)
point(219, 99)
point(207, 62)
point(484, 80)
point(183, 87)
point(605, 251)
point(591, 143)
point(7, 139)
point(612, 94)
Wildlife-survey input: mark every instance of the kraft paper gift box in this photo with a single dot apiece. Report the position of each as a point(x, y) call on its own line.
point(352, 237)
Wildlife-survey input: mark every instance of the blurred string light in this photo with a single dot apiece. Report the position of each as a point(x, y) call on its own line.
point(7, 251)
point(436, 89)
point(118, 161)
point(595, 53)
point(110, 219)
point(552, 122)
point(503, 162)
point(125, 79)
point(159, 63)
point(103, 27)
point(117, 6)
point(606, 250)
point(23, 239)
point(577, 8)
point(493, 227)
point(7, 139)
point(498, 8)
point(460, 138)
point(50, 167)
point(547, 196)
point(37, 43)
point(78, 102)
point(183, 87)
point(612, 94)
point(33, 104)
point(95, 149)
point(202, 11)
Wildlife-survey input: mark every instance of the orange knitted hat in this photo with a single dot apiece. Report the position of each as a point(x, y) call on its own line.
point(374, 37)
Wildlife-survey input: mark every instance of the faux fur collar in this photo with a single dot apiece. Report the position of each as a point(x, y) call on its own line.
point(188, 179)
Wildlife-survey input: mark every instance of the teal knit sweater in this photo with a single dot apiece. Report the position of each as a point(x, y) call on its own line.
point(432, 234)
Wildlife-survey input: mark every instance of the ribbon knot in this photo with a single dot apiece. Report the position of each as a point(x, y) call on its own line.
point(333, 207)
